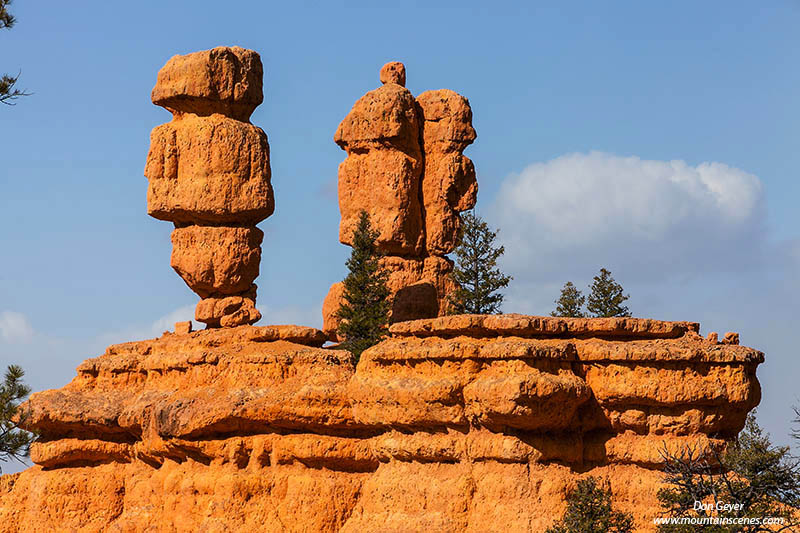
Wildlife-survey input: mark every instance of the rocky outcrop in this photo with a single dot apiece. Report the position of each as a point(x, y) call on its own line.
point(405, 167)
point(208, 171)
point(450, 424)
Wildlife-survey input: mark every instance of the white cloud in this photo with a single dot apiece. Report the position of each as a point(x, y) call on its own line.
point(15, 327)
point(646, 219)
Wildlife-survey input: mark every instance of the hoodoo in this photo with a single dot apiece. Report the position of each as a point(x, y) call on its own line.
point(468, 423)
point(405, 167)
point(209, 174)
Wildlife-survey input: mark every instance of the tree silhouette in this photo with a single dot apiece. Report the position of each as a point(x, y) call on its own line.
point(8, 90)
point(14, 442)
point(589, 510)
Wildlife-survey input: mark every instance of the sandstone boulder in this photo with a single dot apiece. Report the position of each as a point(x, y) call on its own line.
point(393, 72)
point(217, 260)
point(209, 170)
point(330, 306)
point(228, 311)
point(383, 168)
point(449, 185)
point(226, 80)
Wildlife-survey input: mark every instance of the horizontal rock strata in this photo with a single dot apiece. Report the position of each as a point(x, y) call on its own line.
point(451, 424)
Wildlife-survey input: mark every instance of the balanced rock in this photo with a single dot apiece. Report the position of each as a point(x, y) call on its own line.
point(209, 174)
point(222, 80)
point(217, 260)
point(209, 170)
point(394, 72)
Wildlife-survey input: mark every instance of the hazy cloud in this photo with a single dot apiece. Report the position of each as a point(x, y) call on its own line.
point(15, 327)
point(301, 316)
point(167, 322)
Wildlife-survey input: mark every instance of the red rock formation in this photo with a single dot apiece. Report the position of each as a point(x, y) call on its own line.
point(451, 424)
point(209, 174)
point(406, 168)
point(383, 169)
point(449, 185)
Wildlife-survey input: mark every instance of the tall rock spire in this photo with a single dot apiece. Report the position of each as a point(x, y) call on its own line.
point(209, 174)
point(405, 167)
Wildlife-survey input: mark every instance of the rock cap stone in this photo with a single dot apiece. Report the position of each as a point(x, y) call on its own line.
point(225, 80)
point(394, 72)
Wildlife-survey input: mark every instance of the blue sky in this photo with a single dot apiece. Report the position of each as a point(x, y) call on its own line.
point(659, 140)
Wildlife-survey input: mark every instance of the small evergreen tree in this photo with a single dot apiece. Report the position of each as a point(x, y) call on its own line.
point(8, 91)
point(606, 297)
point(570, 303)
point(14, 442)
point(476, 274)
point(364, 311)
point(589, 510)
point(762, 478)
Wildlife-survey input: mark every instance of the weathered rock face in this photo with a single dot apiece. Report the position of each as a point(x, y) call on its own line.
point(208, 171)
point(405, 167)
point(451, 424)
point(217, 259)
point(223, 80)
point(383, 169)
point(449, 186)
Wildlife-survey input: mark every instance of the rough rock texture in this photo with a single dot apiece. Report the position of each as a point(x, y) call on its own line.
point(383, 169)
point(405, 167)
point(449, 185)
point(451, 424)
point(223, 80)
point(208, 172)
point(217, 260)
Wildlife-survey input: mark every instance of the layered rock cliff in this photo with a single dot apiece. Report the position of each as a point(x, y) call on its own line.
point(452, 424)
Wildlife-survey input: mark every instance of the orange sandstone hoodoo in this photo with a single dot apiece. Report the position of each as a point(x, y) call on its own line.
point(468, 423)
point(405, 167)
point(209, 174)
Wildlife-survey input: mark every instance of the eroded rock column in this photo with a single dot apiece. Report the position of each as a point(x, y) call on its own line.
point(405, 167)
point(209, 174)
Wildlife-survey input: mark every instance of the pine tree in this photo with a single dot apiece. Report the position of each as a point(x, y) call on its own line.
point(589, 510)
point(364, 311)
point(476, 274)
point(606, 297)
point(8, 91)
point(570, 302)
point(14, 442)
point(764, 479)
